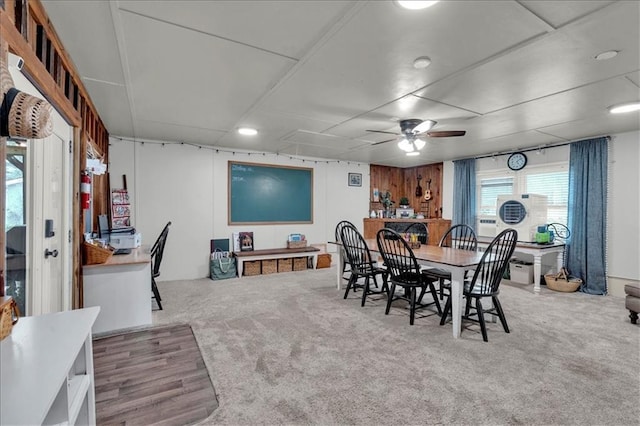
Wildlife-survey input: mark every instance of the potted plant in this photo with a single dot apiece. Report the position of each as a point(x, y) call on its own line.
point(385, 199)
point(404, 202)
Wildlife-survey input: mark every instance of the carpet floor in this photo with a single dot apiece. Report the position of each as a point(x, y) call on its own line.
point(151, 376)
point(288, 349)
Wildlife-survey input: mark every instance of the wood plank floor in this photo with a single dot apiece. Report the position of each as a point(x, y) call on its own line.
point(153, 376)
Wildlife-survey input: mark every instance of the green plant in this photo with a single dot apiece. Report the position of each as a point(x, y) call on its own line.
point(385, 199)
point(404, 201)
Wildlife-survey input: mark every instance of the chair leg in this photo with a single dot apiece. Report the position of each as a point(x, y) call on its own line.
point(434, 294)
point(445, 312)
point(467, 307)
point(156, 293)
point(422, 292)
point(365, 290)
point(503, 320)
point(385, 283)
point(351, 283)
point(412, 305)
point(390, 298)
point(483, 326)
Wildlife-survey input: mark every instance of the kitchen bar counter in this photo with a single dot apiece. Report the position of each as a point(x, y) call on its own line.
point(435, 227)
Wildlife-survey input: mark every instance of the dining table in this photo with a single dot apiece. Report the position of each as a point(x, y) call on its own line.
point(456, 261)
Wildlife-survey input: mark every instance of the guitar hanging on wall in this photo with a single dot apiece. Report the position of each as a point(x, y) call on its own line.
point(419, 188)
point(427, 193)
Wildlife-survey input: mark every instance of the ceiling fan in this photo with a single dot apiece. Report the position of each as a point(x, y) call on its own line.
point(412, 130)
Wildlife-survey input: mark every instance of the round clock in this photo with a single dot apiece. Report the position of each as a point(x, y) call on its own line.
point(517, 161)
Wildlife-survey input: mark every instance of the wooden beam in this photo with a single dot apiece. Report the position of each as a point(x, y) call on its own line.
point(36, 71)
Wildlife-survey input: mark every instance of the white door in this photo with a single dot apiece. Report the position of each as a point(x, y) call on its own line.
point(49, 216)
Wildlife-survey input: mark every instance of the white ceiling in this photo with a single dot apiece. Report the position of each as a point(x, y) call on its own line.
point(314, 76)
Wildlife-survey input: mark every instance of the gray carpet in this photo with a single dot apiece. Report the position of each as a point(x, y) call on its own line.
point(287, 349)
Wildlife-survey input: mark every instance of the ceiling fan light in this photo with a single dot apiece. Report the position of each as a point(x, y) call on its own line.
point(405, 145)
point(419, 143)
point(628, 107)
point(413, 153)
point(415, 4)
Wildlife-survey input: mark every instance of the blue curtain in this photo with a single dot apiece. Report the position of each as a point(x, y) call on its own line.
point(587, 221)
point(464, 192)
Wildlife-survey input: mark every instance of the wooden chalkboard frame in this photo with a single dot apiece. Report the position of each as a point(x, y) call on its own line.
point(280, 170)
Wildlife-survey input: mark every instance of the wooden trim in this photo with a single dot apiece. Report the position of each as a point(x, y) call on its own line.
point(36, 71)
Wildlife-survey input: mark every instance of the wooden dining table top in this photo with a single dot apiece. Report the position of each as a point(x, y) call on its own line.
point(437, 254)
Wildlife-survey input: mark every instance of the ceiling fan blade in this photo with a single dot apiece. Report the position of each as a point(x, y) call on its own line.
point(381, 142)
point(382, 131)
point(446, 133)
point(425, 126)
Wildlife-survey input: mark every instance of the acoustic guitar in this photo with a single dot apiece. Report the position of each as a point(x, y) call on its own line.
point(419, 188)
point(427, 193)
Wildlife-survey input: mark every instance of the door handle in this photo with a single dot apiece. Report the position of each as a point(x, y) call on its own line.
point(48, 253)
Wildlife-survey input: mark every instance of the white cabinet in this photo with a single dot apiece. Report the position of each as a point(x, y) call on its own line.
point(46, 370)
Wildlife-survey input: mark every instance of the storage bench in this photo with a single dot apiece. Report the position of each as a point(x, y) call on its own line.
point(297, 257)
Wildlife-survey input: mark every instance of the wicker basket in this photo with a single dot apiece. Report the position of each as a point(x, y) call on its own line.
point(285, 265)
point(296, 244)
point(324, 261)
point(252, 268)
point(94, 254)
point(269, 266)
point(9, 315)
point(300, 263)
point(562, 282)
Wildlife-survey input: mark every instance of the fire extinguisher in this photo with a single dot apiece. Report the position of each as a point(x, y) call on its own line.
point(85, 190)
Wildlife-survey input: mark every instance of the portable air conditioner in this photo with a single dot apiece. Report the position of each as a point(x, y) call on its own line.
point(523, 212)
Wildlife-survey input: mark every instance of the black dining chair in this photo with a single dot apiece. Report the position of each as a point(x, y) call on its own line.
point(486, 281)
point(345, 261)
point(461, 237)
point(362, 264)
point(157, 250)
point(404, 271)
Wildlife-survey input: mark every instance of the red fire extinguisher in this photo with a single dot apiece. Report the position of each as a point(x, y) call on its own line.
point(85, 190)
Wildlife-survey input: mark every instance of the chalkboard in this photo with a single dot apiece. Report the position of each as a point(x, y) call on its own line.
point(262, 194)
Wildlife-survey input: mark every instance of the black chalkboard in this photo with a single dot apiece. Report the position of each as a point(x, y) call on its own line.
point(263, 194)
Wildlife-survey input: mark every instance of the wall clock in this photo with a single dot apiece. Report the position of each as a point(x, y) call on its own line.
point(517, 161)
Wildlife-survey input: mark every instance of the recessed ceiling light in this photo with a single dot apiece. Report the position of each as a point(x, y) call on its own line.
point(247, 131)
point(628, 107)
point(413, 153)
point(415, 4)
point(421, 62)
point(603, 56)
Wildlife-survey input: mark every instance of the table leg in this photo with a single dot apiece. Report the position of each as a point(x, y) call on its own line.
point(537, 269)
point(560, 261)
point(457, 281)
point(240, 266)
point(314, 261)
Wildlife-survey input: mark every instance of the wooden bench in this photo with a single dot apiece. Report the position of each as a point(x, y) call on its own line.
point(277, 253)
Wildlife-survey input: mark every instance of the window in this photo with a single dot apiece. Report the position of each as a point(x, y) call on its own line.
point(551, 180)
point(490, 188)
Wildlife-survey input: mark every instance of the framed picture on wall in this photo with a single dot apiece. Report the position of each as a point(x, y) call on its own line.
point(355, 179)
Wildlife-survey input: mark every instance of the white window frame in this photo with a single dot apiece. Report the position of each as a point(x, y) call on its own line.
point(519, 182)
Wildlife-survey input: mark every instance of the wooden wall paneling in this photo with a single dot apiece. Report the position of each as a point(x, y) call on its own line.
point(386, 178)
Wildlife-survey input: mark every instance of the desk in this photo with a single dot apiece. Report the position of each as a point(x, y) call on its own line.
point(455, 260)
point(537, 250)
point(46, 373)
point(122, 288)
point(277, 253)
